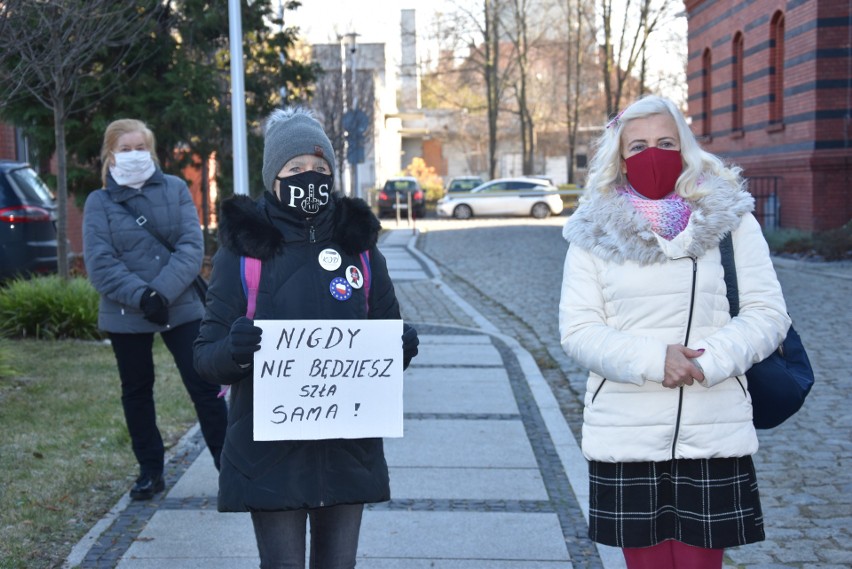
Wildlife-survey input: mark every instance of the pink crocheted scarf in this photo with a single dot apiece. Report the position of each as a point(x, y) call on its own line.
point(668, 216)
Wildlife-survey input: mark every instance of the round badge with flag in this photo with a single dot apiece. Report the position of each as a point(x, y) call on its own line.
point(340, 289)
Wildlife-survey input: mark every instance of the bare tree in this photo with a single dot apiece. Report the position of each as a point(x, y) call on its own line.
point(520, 37)
point(625, 43)
point(469, 133)
point(578, 43)
point(534, 40)
point(473, 31)
point(491, 71)
point(546, 77)
point(68, 55)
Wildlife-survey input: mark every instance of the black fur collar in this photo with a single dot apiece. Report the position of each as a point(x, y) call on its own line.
point(245, 228)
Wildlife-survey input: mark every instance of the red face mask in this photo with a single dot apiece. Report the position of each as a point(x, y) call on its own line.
point(654, 172)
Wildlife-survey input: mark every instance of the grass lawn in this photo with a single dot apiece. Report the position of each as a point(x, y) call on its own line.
point(65, 453)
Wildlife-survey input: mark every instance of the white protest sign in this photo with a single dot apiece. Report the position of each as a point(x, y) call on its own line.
point(328, 379)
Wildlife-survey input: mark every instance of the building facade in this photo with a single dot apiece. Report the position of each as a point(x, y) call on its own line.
point(770, 89)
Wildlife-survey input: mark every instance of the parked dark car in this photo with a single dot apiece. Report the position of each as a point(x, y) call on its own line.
point(27, 222)
point(402, 187)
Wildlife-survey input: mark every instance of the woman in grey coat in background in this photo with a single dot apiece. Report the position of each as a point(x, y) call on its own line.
point(145, 288)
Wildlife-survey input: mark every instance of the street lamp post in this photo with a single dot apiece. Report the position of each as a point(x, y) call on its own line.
point(344, 162)
point(353, 49)
point(353, 141)
point(238, 108)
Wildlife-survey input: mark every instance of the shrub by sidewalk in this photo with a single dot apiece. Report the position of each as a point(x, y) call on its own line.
point(830, 245)
point(50, 308)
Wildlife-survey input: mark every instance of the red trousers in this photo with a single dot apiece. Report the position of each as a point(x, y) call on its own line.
point(673, 554)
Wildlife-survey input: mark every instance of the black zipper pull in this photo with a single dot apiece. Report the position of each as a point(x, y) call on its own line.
point(313, 234)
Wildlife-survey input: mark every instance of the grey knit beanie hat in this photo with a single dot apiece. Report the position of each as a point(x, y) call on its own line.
point(289, 133)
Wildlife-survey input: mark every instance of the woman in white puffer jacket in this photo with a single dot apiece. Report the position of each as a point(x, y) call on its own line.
point(667, 425)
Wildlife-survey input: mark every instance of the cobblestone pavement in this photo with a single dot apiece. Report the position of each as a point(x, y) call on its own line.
point(510, 271)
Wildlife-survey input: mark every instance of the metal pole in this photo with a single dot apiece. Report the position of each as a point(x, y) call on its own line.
point(344, 178)
point(356, 182)
point(238, 100)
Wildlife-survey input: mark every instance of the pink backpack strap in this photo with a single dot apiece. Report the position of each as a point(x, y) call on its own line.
point(368, 277)
point(250, 270)
point(250, 277)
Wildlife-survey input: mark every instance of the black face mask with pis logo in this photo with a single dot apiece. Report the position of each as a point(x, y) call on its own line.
point(304, 195)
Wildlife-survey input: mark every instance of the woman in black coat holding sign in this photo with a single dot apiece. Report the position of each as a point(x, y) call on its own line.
point(308, 239)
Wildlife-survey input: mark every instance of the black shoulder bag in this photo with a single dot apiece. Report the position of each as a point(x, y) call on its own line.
point(199, 283)
point(779, 384)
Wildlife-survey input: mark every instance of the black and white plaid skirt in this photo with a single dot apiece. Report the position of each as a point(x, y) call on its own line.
point(711, 503)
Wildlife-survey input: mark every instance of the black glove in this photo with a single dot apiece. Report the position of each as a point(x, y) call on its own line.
point(154, 306)
point(244, 341)
point(410, 341)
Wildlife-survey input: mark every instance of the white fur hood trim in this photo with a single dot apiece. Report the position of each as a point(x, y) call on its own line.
point(607, 225)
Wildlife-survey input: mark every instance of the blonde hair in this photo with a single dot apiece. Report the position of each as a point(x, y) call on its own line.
point(605, 173)
point(115, 130)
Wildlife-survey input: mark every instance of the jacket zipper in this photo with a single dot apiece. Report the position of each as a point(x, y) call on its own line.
point(598, 390)
point(685, 343)
point(321, 455)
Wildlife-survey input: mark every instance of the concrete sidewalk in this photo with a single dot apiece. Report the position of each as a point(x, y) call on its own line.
point(488, 474)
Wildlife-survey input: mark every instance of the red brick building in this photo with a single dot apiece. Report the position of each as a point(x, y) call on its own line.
point(770, 88)
point(8, 145)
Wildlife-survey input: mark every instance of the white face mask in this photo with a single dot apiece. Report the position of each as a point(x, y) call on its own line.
point(132, 168)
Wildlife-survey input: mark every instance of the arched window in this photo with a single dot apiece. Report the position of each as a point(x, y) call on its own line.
point(776, 69)
point(737, 83)
point(707, 90)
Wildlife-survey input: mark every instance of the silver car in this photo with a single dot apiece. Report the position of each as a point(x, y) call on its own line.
point(504, 196)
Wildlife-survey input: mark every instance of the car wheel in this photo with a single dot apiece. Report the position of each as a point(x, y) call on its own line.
point(540, 210)
point(462, 211)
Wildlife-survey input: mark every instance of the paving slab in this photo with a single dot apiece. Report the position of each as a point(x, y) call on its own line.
point(440, 390)
point(459, 564)
point(461, 535)
point(467, 354)
point(461, 443)
point(466, 483)
point(195, 562)
point(177, 538)
point(198, 481)
point(410, 275)
point(402, 261)
point(455, 339)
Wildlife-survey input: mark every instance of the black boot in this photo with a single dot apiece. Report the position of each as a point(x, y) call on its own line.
point(147, 485)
